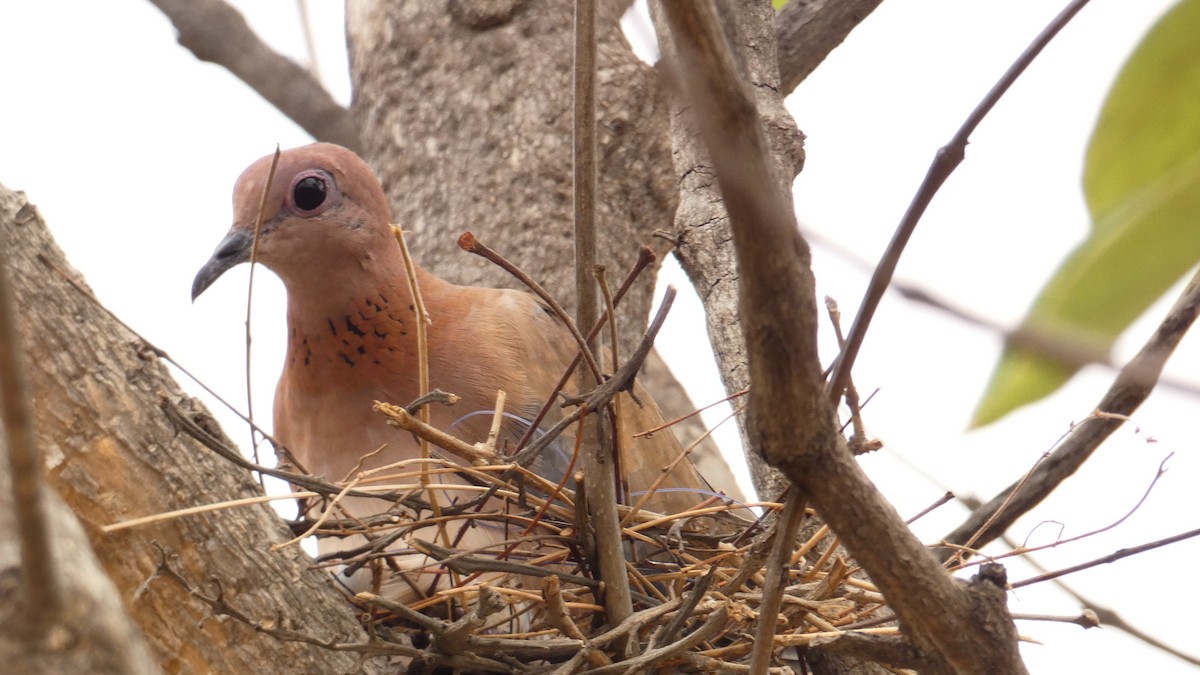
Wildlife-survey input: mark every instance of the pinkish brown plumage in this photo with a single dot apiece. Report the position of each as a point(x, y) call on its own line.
point(352, 339)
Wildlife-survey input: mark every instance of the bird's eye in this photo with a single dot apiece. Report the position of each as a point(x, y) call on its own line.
point(309, 193)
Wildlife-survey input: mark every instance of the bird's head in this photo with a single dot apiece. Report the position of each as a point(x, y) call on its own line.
point(323, 207)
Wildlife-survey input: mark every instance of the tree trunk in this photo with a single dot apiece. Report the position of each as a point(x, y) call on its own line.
point(465, 113)
point(112, 454)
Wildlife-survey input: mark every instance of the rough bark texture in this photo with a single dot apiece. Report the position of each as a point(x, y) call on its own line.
point(704, 241)
point(112, 455)
point(466, 114)
point(790, 416)
point(92, 633)
point(465, 111)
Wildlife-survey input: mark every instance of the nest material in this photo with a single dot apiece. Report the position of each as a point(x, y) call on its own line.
point(534, 602)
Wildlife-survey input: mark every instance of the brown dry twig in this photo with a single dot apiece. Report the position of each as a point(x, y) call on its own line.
point(41, 596)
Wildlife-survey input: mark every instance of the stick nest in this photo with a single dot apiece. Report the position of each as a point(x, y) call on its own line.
point(533, 601)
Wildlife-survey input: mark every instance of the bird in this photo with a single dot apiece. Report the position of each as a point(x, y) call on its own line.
point(327, 233)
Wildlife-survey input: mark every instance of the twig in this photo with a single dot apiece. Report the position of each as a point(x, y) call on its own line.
point(42, 599)
point(858, 439)
point(454, 638)
point(1023, 550)
point(423, 321)
point(1131, 387)
point(636, 621)
point(497, 421)
point(464, 563)
point(470, 244)
point(698, 591)
point(645, 258)
point(161, 353)
point(325, 512)
point(1105, 615)
point(945, 161)
point(600, 459)
point(258, 224)
point(617, 451)
point(400, 418)
point(777, 574)
point(215, 32)
point(1112, 557)
point(697, 411)
point(1040, 341)
point(932, 507)
point(557, 617)
point(620, 381)
point(204, 508)
point(709, 629)
point(665, 471)
point(423, 620)
point(1085, 619)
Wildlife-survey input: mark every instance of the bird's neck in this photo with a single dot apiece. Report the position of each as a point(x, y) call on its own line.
point(358, 328)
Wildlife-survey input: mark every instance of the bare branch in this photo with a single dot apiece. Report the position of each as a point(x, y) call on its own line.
point(787, 377)
point(945, 161)
point(808, 31)
point(217, 33)
point(1111, 557)
point(1132, 386)
point(41, 599)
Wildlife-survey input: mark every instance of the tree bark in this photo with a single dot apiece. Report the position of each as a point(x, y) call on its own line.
point(92, 633)
point(466, 116)
point(112, 455)
point(703, 238)
point(465, 113)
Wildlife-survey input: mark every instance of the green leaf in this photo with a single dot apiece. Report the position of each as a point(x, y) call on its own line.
point(1142, 182)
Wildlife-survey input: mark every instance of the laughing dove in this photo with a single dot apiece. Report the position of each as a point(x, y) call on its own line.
point(352, 337)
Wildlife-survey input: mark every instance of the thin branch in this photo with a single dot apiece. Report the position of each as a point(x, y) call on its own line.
point(258, 224)
point(470, 244)
point(774, 262)
point(944, 162)
point(216, 32)
point(203, 508)
point(599, 456)
point(777, 577)
point(645, 258)
point(477, 455)
point(1085, 619)
point(299, 480)
point(423, 321)
point(1131, 387)
point(1112, 557)
point(708, 630)
point(162, 354)
point(620, 381)
point(1025, 549)
point(1109, 617)
point(42, 596)
point(1042, 342)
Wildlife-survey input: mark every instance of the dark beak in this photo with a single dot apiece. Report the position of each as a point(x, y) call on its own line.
point(233, 250)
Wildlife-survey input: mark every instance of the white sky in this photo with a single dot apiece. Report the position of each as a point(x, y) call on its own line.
point(130, 148)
